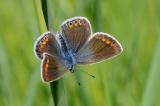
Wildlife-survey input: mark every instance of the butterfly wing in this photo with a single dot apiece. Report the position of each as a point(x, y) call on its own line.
point(52, 68)
point(76, 32)
point(47, 43)
point(100, 47)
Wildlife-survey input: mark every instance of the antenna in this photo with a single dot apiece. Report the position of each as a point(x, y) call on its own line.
point(86, 73)
point(77, 80)
point(89, 74)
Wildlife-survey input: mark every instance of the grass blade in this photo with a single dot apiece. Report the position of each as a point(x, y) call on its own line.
point(153, 84)
point(41, 21)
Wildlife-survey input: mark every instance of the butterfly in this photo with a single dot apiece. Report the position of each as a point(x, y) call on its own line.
point(74, 44)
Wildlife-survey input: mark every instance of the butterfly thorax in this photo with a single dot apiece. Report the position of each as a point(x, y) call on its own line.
point(68, 55)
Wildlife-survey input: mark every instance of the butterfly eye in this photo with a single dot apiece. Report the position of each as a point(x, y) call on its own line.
point(70, 25)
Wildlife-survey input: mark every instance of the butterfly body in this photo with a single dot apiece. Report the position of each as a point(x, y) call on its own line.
point(73, 45)
point(68, 55)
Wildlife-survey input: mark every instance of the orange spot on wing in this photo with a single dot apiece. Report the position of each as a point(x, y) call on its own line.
point(46, 77)
point(112, 45)
point(47, 40)
point(103, 39)
point(42, 46)
point(70, 25)
point(46, 66)
point(108, 42)
point(44, 43)
point(75, 23)
point(79, 22)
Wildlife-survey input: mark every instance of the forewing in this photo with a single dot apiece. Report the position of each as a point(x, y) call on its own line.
point(76, 32)
point(52, 68)
point(47, 43)
point(100, 47)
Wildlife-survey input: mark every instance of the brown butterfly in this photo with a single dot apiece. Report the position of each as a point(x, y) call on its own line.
point(74, 44)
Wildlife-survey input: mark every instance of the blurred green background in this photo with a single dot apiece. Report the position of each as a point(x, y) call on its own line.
point(131, 79)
